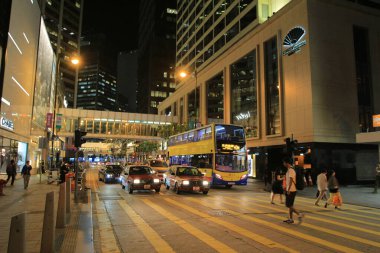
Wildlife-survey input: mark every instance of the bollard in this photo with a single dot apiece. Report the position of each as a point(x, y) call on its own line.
point(68, 197)
point(61, 211)
point(16, 242)
point(47, 240)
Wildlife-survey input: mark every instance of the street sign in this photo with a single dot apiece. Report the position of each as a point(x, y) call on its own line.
point(58, 121)
point(49, 120)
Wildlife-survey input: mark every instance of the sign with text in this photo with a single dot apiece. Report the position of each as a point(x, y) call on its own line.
point(6, 123)
point(293, 41)
point(49, 120)
point(58, 121)
point(376, 120)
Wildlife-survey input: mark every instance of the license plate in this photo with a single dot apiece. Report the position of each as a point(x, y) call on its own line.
point(196, 188)
point(231, 182)
point(147, 186)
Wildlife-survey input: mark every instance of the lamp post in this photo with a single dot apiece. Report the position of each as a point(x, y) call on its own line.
point(183, 74)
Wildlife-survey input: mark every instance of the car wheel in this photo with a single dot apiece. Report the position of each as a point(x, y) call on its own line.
point(205, 192)
point(176, 189)
point(228, 186)
point(100, 179)
point(122, 186)
point(158, 190)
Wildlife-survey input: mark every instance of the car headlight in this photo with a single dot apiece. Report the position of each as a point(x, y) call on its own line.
point(205, 183)
point(156, 180)
point(136, 181)
point(186, 182)
point(109, 175)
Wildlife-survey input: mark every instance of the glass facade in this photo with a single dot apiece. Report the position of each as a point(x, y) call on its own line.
point(193, 105)
point(363, 78)
point(272, 87)
point(215, 99)
point(244, 94)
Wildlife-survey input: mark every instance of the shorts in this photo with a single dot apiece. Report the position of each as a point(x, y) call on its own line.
point(290, 199)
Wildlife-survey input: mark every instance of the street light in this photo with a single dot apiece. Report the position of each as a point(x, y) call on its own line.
point(183, 74)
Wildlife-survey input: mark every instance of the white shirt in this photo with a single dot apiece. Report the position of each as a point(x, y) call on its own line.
point(322, 182)
point(291, 173)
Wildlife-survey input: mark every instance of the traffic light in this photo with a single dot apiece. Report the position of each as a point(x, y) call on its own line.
point(78, 139)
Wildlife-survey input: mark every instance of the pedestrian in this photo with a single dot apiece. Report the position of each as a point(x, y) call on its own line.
point(62, 173)
point(322, 186)
point(277, 185)
point(335, 196)
point(377, 179)
point(291, 191)
point(11, 171)
point(25, 172)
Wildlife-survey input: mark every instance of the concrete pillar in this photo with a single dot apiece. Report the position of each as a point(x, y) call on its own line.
point(61, 211)
point(48, 231)
point(68, 197)
point(16, 242)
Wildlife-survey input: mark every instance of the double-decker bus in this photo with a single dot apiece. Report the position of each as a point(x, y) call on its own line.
point(217, 150)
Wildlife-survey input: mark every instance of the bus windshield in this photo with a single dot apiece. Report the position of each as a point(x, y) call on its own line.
point(231, 162)
point(229, 133)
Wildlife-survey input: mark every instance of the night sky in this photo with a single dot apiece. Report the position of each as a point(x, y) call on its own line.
point(118, 19)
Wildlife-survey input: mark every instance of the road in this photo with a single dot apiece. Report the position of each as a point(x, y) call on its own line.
point(240, 219)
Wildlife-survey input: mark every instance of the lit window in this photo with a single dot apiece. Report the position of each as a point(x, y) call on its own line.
point(165, 74)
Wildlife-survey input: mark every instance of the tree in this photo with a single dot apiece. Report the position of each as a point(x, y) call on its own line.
point(147, 147)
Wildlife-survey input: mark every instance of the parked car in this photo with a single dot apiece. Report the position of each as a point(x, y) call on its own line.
point(140, 177)
point(110, 173)
point(186, 178)
point(159, 166)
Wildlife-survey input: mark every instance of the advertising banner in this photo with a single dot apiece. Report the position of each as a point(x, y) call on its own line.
point(376, 120)
point(58, 120)
point(49, 120)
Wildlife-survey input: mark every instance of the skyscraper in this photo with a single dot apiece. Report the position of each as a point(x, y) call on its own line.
point(71, 12)
point(127, 80)
point(156, 53)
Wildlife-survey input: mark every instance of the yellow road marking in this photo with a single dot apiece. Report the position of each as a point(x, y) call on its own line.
point(305, 224)
point(155, 239)
point(256, 237)
point(334, 215)
point(209, 240)
point(324, 220)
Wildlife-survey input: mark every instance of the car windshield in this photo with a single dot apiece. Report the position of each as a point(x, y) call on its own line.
point(113, 169)
point(140, 170)
point(156, 163)
point(188, 171)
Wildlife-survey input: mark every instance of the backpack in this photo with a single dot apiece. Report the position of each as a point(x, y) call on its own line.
point(300, 178)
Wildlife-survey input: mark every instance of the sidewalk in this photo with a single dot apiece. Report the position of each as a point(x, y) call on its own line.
point(353, 194)
point(32, 202)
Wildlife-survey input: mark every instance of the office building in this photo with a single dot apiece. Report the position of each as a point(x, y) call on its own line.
point(127, 80)
point(303, 69)
point(156, 53)
point(71, 12)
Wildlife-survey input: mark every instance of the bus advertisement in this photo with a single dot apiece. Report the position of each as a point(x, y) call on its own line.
point(217, 150)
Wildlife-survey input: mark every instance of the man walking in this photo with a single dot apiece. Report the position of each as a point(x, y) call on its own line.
point(291, 191)
point(25, 172)
point(322, 186)
point(11, 171)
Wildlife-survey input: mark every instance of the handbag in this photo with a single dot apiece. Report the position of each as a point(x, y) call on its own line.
point(337, 201)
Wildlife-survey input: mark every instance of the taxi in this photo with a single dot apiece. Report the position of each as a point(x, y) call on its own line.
point(159, 166)
point(140, 177)
point(182, 178)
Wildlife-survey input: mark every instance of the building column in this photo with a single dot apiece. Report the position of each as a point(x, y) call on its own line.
point(203, 104)
point(227, 96)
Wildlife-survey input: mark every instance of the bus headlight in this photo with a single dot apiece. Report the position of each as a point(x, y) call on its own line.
point(218, 176)
point(136, 181)
point(205, 183)
point(186, 182)
point(156, 180)
point(243, 177)
point(109, 175)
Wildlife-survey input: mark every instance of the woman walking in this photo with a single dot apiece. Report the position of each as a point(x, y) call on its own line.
point(335, 196)
point(277, 186)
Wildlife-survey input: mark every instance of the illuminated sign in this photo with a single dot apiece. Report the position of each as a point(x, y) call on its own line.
point(6, 123)
point(242, 116)
point(171, 11)
point(231, 147)
point(293, 41)
point(376, 120)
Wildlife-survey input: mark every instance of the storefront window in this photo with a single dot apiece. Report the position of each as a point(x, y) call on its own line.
point(12, 150)
point(272, 87)
point(215, 99)
point(193, 105)
point(244, 94)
